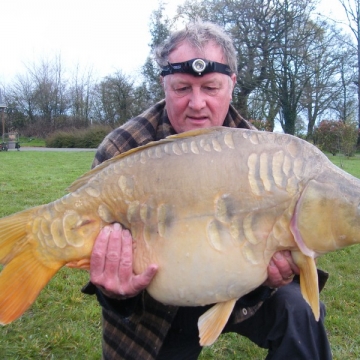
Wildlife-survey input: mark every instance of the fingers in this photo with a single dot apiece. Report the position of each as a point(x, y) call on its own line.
point(285, 264)
point(97, 259)
point(291, 262)
point(140, 282)
point(281, 270)
point(113, 251)
point(125, 264)
point(111, 266)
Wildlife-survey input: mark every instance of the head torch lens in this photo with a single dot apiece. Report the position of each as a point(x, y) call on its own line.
point(199, 65)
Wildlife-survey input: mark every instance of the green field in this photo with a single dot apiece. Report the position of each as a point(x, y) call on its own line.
point(64, 324)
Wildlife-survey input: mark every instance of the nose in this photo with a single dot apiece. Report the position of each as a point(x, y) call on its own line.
point(197, 99)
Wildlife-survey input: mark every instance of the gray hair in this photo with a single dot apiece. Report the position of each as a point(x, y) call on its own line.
point(198, 34)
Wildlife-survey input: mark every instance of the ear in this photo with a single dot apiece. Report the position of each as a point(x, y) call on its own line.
point(233, 79)
point(232, 86)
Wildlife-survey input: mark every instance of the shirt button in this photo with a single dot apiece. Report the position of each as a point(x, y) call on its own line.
point(244, 311)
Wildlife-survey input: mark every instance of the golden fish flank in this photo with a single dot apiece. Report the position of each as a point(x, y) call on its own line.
point(210, 207)
point(278, 171)
point(194, 148)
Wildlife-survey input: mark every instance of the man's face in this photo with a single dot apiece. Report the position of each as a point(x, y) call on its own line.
point(197, 102)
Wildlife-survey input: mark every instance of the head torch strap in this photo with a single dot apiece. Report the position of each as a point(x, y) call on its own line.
point(196, 67)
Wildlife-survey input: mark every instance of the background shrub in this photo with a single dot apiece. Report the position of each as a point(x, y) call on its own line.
point(75, 138)
point(336, 137)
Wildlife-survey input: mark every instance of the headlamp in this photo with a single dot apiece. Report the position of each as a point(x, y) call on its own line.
point(196, 67)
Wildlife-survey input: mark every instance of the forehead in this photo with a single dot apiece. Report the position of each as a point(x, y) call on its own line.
point(181, 79)
point(184, 51)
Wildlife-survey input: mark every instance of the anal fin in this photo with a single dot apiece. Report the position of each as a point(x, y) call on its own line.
point(213, 321)
point(308, 281)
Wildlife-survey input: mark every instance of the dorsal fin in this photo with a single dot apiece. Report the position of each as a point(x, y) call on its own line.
point(84, 179)
point(196, 132)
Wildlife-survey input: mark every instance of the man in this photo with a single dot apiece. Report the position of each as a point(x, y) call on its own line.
point(198, 75)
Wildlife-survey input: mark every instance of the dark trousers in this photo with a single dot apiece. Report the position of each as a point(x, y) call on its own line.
point(285, 325)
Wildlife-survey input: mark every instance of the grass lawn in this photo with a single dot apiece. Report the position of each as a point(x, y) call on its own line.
point(64, 324)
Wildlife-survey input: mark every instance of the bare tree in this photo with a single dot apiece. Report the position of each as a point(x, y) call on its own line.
point(352, 11)
point(21, 95)
point(344, 103)
point(263, 103)
point(113, 98)
point(80, 97)
point(49, 92)
point(288, 62)
point(42, 95)
point(324, 66)
point(160, 27)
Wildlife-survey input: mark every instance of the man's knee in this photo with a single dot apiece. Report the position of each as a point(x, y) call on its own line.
point(286, 325)
point(288, 301)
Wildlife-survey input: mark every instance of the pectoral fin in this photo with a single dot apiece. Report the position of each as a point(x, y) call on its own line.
point(83, 264)
point(213, 321)
point(308, 281)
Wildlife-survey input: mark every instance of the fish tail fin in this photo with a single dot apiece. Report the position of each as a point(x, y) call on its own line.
point(12, 230)
point(24, 274)
point(308, 281)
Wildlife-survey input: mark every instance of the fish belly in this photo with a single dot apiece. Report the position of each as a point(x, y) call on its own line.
point(200, 264)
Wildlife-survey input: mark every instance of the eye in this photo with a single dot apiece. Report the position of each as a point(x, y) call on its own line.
point(211, 90)
point(181, 91)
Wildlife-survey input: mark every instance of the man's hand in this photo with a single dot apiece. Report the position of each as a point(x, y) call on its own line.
point(111, 267)
point(281, 270)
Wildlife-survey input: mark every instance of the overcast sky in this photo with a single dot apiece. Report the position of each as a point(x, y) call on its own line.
point(105, 35)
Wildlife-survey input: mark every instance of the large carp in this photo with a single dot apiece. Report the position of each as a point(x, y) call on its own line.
point(210, 207)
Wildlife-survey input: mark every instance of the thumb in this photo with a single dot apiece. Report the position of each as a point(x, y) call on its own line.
point(141, 281)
